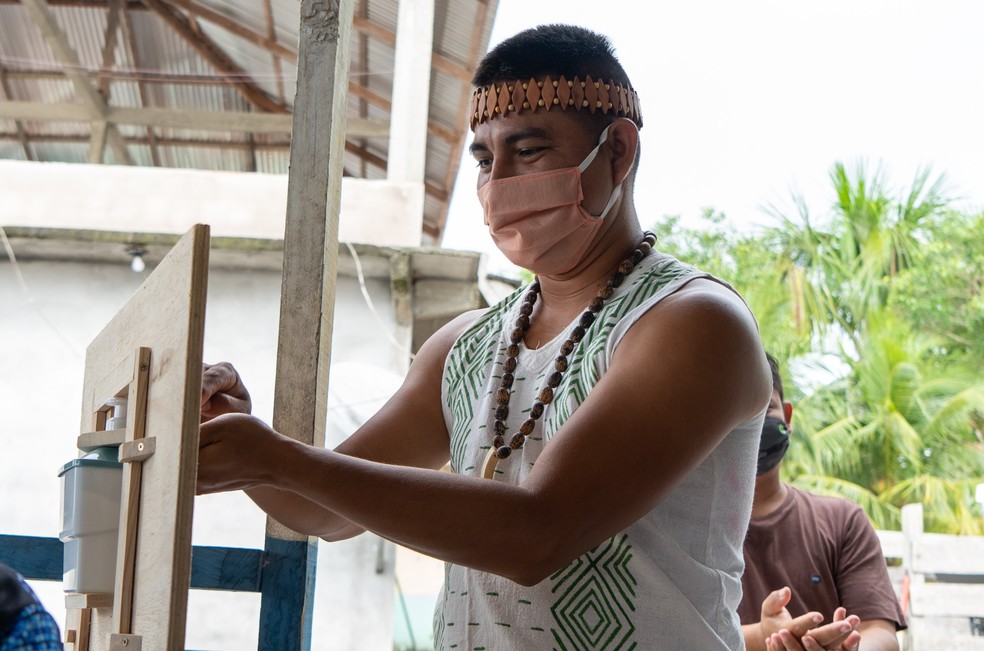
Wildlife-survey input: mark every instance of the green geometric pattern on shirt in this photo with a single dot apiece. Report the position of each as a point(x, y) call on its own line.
point(583, 373)
point(595, 594)
point(466, 373)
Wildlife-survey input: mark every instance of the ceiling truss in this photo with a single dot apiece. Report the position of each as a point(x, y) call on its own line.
point(265, 127)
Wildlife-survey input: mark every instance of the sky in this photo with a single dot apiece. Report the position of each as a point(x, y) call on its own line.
point(745, 103)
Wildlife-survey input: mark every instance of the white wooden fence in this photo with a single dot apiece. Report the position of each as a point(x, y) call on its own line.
point(940, 582)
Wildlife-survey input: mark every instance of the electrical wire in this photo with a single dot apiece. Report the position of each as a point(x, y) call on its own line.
point(406, 613)
point(30, 297)
point(372, 308)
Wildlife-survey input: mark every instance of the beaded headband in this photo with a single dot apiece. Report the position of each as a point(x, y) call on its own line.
point(493, 101)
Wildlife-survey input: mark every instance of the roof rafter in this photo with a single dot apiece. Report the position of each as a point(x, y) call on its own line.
point(267, 41)
point(215, 55)
point(278, 69)
point(21, 134)
point(359, 24)
point(238, 121)
point(131, 48)
point(162, 142)
point(95, 105)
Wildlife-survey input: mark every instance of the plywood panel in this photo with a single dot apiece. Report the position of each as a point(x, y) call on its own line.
point(166, 315)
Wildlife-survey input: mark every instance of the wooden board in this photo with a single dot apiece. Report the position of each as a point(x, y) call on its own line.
point(167, 316)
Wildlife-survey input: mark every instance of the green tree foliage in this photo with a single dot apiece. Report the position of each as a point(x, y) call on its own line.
point(943, 289)
point(888, 286)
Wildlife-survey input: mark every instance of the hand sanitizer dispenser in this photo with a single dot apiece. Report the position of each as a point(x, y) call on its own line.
point(91, 489)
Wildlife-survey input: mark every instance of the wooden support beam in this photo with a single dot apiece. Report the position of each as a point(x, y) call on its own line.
point(372, 97)
point(311, 232)
point(278, 69)
point(145, 76)
point(21, 134)
point(54, 36)
point(131, 48)
point(235, 121)
point(109, 46)
point(310, 267)
point(144, 141)
point(97, 141)
point(388, 36)
point(215, 56)
point(235, 27)
point(95, 105)
point(358, 128)
point(212, 568)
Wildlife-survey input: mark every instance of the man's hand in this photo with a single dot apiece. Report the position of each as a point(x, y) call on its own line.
point(223, 392)
point(237, 452)
point(774, 617)
point(839, 635)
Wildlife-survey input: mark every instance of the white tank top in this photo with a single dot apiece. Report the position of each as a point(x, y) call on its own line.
point(670, 581)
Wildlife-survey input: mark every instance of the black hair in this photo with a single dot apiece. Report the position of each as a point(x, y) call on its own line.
point(554, 50)
point(776, 378)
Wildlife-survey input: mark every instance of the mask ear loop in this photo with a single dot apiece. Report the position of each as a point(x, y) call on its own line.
point(594, 152)
point(617, 192)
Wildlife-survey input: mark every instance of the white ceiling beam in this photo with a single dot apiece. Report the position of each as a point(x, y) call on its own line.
point(411, 92)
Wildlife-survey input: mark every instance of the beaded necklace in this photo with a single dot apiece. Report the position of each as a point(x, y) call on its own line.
point(501, 450)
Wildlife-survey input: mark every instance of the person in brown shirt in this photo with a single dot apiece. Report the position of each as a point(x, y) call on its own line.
point(807, 556)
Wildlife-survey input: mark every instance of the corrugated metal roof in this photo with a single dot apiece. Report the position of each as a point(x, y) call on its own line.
point(226, 56)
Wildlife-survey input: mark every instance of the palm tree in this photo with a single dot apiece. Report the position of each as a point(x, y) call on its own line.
point(842, 268)
point(895, 429)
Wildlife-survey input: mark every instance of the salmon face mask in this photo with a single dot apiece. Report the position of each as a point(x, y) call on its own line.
point(537, 221)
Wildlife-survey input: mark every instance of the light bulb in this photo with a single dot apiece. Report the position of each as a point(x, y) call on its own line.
point(137, 261)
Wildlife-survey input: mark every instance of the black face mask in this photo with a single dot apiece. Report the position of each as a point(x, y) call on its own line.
point(772, 447)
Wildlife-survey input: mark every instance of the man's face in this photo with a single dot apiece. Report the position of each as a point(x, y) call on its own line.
point(527, 143)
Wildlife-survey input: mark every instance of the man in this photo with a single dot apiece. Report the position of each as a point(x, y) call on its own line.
point(821, 553)
point(601, 424)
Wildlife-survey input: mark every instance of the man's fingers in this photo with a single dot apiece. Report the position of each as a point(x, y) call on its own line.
point(799, 626)
point(223, 391)
point(832, 635)
point(810, 644)
point(786, 641)
point(774, 603)
point(852, 642)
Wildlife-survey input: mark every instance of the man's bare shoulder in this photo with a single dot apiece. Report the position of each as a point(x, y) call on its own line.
point(705, 337)
point(702, 306)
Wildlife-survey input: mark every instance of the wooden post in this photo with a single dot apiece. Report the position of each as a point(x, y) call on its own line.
point(912, 529)
point(307, 296)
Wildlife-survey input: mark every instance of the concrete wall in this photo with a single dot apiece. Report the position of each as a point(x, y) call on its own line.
point(45, 325)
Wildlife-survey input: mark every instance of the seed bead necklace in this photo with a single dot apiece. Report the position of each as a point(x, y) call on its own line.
point(500, 449)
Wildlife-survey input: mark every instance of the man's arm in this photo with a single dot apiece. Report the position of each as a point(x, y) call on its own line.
point(878, 635)
point(419, 441)
point(689, 371)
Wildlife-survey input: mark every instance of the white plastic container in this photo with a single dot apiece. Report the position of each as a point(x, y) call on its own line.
point(91, 489)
